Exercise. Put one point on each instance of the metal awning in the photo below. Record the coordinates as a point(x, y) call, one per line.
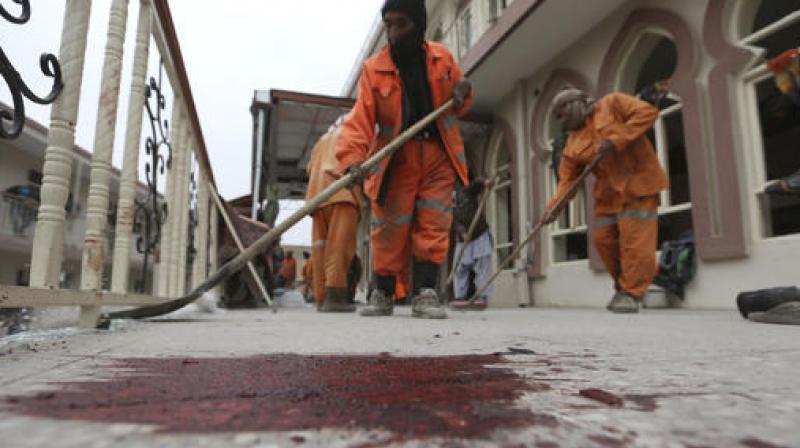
point(287, 125)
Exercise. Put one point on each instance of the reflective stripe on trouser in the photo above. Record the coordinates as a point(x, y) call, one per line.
point(334, 244)
point(416, 215)
point(627, 244)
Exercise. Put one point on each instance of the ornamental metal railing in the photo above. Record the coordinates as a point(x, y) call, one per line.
point(173, 215)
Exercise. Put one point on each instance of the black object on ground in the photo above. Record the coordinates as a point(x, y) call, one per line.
point(765, 299)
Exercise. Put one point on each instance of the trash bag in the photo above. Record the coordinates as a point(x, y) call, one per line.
point(765, 299)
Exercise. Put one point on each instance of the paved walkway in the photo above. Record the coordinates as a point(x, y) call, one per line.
point(527, 377)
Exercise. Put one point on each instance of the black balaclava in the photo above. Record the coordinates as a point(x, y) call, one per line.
point(408, 54)
point(407, 50)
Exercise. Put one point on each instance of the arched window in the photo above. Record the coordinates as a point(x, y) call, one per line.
point(501, 201)
point(773, 116)
point(568, 233)
point(645, 72)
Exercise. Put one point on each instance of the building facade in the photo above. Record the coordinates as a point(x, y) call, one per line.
point(724, 132)
point(21, 163)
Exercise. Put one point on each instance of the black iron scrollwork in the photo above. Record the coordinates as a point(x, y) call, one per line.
point(191, 250)
point(19, 90)
point(151, 213)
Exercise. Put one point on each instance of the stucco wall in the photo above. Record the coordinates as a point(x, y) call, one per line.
point(770, 262)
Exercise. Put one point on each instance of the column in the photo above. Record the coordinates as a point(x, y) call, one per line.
point(200, 268)
point(183, 230)
point(213, 250)
point(93, 258)
point(165, 249)
point(48, 240)
point(178, 210)
point(130, 165)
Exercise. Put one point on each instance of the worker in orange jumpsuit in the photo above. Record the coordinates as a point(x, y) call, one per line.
point(629, 179)
point(308, 277)
point(334, 228)
point(410, 192)
point(288, 270)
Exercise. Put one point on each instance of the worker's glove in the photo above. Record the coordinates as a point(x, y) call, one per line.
point(357, 174)
point(461, 92)
point(549, 216)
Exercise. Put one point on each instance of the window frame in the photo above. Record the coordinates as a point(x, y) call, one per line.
point(464, 10)
point(754, 151)
point(661, 144)
point(501, 188)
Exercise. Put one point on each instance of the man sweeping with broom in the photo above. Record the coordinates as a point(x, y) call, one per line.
point(410, 193)
point(629, 179)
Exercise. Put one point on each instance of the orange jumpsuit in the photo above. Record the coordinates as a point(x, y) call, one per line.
point(289, 271)
point(335, 223)
point(308, 276)
point(629, 179)
point(415, 216)
point(403, 284)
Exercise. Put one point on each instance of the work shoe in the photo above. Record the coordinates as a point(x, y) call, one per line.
point(379, 305)
point(426, 305)
point(622, 302)
point(336, 301)
point(460, 305)
point(479, 304)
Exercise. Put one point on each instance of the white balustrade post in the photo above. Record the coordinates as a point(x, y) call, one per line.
point(165, 246)
point(178, 209)
point(93, 259)
point(130, 165)
point(184, 217)
point(48, 241)
point(213, 250)
point(200, 267)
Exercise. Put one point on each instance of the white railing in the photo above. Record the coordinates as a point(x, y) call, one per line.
point(44, 226)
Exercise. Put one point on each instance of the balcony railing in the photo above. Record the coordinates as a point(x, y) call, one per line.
point(175, 147)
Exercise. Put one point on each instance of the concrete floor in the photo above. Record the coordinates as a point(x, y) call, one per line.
point(686, 378)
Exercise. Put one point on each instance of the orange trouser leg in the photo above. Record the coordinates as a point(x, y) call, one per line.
point(334, 244)
point(415, 215)
point(403, 284)
point(627, 244)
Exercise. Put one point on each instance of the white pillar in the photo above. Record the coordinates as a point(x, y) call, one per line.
point(93, 258)
point(200, 268)
point(178, 210)
point(130, 165)
point(183, 234)
point(165, 249)
point(213, 250)
point(48, 240)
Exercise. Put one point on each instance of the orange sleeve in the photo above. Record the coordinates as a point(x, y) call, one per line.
point(568, 171)
point(358, 130)
point(637, 118)
point(458, 75)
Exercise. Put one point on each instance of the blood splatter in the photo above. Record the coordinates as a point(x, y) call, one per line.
point(603, 397)
point(413, 398)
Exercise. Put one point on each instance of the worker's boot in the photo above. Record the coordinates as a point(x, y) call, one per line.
point(426, 303)
point(622, 302)
point(380, 299)
point(336, 301)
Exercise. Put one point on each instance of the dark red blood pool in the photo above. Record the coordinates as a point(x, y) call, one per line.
point(458, 397)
